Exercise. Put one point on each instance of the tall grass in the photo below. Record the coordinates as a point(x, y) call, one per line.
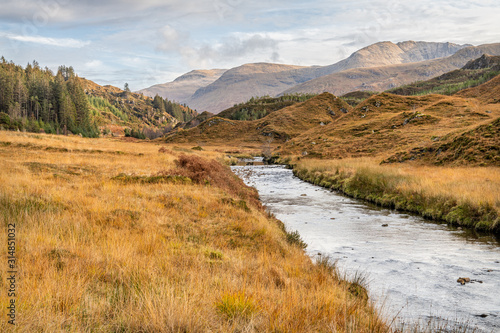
point(466, 196)
point(105, 254)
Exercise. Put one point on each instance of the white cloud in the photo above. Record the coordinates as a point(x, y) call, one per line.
point(59, 42)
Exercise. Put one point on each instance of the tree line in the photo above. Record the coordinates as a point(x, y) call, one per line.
point(36, 99)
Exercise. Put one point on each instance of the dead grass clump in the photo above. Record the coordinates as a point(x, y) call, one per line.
point(211, 172)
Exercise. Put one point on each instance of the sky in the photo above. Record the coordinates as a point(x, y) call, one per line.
point(146, 42)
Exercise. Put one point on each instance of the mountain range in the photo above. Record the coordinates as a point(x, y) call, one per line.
point(377, 67)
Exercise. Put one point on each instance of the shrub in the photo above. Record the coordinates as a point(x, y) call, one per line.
point(294, 238)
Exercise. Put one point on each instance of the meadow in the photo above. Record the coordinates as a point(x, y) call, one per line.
point(116, 235)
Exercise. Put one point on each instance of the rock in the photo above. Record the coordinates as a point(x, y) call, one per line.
point(463, 281)
point(385, 225)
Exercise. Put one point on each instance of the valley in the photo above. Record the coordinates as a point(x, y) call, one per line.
point(124, 202)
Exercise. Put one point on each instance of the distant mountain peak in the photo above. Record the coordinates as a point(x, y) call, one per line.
point(200, 74)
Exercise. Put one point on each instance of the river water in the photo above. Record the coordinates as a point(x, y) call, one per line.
point(411, 265)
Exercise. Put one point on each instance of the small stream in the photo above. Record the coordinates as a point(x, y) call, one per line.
point(412, 265)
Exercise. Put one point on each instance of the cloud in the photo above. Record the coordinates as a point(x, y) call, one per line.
point(132, 38)
point(171, 39)
point(232, 48)
point(59, 42)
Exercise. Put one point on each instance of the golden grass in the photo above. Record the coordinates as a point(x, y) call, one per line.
point(106, 255)
point(471, 186)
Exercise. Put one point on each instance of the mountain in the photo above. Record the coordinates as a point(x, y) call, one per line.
point(251, 80)
point(386, 77)
point(184, 86)
point(241, 83)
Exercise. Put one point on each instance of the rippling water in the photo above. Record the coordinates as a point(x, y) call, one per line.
point(412, 265)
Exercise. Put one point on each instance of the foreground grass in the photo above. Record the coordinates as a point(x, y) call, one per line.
point(126, 237)
point(462, 196)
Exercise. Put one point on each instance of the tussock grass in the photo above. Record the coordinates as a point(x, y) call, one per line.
point(101, 254)
point(467, 196)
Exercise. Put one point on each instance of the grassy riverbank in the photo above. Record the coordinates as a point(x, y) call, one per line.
point(462, 196)
point(126, 236)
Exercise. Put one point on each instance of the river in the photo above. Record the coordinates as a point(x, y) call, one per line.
point(411, 265)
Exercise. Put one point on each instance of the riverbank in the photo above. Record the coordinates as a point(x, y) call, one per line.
point(463, 197)
point(116, 235)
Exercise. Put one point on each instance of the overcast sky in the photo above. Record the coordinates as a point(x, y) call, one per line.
point(144, 42)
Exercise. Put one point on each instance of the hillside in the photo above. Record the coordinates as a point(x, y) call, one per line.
point(488, 92)
point(36, 100)
point(386, 77)
point(195, 121)
point(116, 109)
point(241, 83)
point(184, 86)
point(386, 123)
point(478, 146)
point(474, 73)
point(256, 108)
point(278, 126)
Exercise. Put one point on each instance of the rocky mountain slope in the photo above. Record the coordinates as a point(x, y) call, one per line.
point(386, 77)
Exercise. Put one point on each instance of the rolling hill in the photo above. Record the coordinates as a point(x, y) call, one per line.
point(278, 126)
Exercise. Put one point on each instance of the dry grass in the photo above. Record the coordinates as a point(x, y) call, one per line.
point(432, 190)
point(105, 254)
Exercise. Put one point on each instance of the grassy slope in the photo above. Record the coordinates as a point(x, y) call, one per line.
point(278, 126)
point(112, 236)
point(386, 123)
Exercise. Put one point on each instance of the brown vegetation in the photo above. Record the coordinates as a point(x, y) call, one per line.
point(153, 240)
